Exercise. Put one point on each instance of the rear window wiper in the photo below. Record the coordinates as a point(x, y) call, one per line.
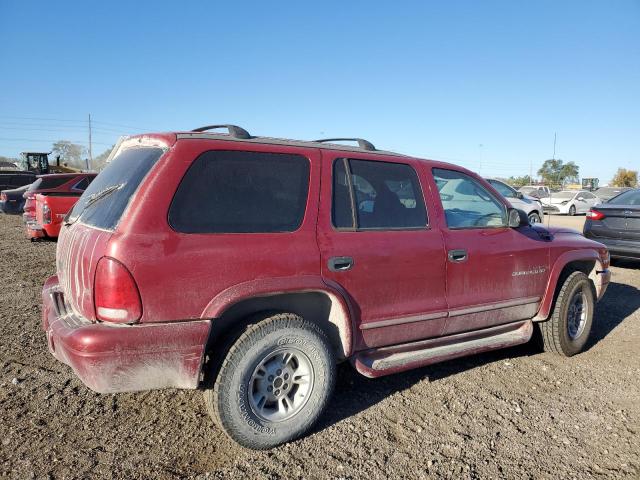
point(93, 198)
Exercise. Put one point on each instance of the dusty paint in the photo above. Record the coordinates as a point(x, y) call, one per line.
point(385, 361)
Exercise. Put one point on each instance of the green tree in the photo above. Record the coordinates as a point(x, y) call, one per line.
point(625, 178)
point(556, 173)
point(70, 153)
point(99, 162)
point(517, 182)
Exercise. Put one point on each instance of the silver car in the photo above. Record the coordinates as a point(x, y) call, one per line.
point(530, 205)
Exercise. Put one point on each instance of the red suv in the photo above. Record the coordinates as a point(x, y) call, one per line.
point(248, 267)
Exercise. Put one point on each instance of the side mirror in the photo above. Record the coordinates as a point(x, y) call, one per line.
point(517, 218)
point(519, 195)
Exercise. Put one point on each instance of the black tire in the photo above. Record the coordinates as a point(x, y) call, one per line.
point(534, 217)
point(231, 401)
point(572, 210)
point(556, 332)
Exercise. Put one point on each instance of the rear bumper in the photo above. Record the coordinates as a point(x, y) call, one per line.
point(11, 207)
point(123, 358)
point(34, 230)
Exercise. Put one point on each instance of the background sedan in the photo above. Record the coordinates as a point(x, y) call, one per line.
point(617, 224)
point(569, 202)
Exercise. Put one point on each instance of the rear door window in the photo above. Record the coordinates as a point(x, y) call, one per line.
point(375, 195)
point(107, 196)
point(241, 192)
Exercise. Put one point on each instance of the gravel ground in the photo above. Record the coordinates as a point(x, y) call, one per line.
point(516, 413)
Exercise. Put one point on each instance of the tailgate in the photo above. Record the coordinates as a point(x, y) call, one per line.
point(79, 249)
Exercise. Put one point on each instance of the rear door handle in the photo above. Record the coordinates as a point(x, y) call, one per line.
point(340, 264)
point(457, 256)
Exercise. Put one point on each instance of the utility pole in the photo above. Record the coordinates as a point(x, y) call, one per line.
point(90, 160)
point(480, 145)
point(554, 145)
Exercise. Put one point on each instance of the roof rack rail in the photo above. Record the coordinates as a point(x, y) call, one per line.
point(362, 143)
point(234, 130)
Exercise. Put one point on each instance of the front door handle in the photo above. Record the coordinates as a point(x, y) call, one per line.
point(457, 256)
point(340, 264)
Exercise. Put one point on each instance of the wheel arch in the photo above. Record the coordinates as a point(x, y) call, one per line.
point(308, 297)
point(586, 261)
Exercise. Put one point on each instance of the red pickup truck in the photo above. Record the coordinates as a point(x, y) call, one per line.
point(48, 200)
point(249, 266)
point(50, 211)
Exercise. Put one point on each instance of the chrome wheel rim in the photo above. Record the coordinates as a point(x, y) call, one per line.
point(280, 385)
point(534, 219)
point(577, 315)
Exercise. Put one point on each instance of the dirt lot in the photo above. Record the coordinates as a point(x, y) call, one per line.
point(517, 413)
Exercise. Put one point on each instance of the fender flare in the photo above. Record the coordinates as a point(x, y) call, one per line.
point(341, 314)
point(561, 262)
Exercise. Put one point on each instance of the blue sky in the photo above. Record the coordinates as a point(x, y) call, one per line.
point(432, 79)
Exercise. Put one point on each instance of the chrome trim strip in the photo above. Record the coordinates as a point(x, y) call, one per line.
point(452, 313)
point(403, 320)
point(493, 306)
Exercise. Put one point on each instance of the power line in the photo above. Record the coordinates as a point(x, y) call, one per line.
point(43, 140)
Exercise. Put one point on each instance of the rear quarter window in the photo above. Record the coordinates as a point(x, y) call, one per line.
point(241, 192)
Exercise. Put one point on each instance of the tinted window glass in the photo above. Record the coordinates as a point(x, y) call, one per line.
point(386, 195)
point(503, 189)
point(82, 184)
point(631, 197)
point(342, 211)
point(241, 192)
point(105, 199)
point(466, 203)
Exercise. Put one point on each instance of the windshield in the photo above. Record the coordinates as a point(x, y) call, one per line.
point(564, 195)
point(630, 197)
point(504, 189)
point(106, 198)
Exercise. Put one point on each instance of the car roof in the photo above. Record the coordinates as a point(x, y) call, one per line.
point(150, 139)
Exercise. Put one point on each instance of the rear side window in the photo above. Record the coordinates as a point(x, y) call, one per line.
point(106, 198)
point(372, 195)
point(83, 184)
point(241, 192)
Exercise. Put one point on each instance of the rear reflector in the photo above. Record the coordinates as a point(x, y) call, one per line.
point(116, 295)
point(595, 214)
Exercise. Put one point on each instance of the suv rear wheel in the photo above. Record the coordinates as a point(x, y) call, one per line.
point(568, 329)
point(274, 383)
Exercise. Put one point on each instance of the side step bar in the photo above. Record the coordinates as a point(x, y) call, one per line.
point(378, 362)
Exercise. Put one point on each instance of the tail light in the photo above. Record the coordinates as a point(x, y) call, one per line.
point(29, 195)
point(3, 197)
point(595, 214)
point(116, 295)
point(46, 214)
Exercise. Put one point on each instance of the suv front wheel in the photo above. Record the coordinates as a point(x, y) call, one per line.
point(567, 330)
point(274, 383)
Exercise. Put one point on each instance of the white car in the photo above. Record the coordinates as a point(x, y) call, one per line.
point(570, 202)
point(536, 191)
point(530, 205)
